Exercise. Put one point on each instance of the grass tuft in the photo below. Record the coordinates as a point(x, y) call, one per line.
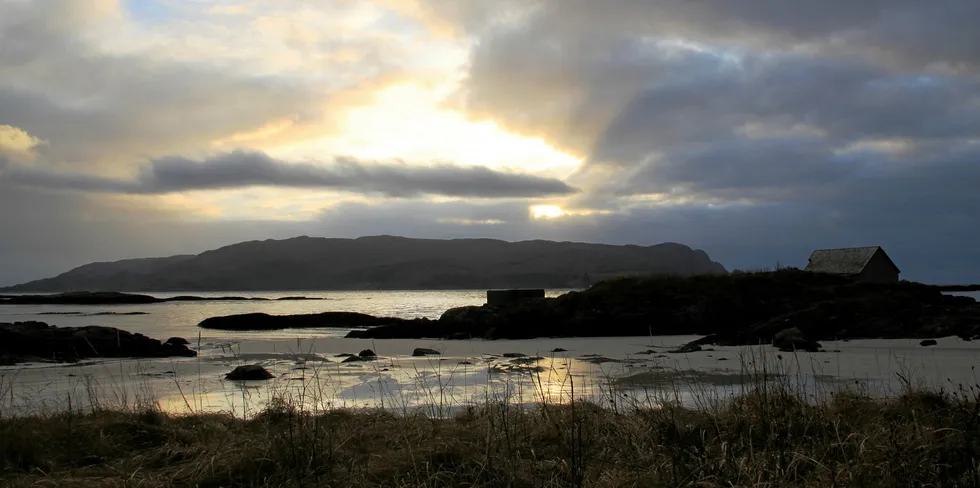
point(769, 436)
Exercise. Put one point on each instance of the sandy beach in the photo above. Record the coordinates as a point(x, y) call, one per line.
point(635, 370)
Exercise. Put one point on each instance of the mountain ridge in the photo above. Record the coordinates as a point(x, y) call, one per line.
point(380, 262)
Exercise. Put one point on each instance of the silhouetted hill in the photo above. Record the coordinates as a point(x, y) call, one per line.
point(382, 262)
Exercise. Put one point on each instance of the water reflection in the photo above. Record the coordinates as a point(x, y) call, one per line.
point(612, 371)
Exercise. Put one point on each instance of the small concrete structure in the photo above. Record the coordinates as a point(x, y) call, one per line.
point(863, 263)
point(499, 298)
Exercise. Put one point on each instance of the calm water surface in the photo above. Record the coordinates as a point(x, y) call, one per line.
point(162, 320)
point(466, 372)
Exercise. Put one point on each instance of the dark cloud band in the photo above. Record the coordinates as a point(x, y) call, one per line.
point(240, 169)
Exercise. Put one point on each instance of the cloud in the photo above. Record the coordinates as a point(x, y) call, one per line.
point(754, 129)
point(909, 34)
point(239, 169)
point(104, 88)
point(17, 144)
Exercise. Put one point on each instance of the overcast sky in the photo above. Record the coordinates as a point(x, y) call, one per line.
point(757, 130)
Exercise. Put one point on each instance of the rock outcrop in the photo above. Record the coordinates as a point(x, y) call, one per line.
point(735, 309)
point(29, 341)
point(264, 321)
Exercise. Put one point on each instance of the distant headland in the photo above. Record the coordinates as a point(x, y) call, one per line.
point(381, 263)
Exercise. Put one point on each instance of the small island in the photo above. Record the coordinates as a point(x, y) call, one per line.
point(796, 307)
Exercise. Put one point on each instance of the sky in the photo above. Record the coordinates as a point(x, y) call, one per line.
point(756, 130)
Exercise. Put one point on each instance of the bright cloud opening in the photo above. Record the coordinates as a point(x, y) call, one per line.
point(546, 212)
point(407, 122)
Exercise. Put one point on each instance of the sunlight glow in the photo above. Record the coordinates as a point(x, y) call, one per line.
point(408, 122)
point(546, 212)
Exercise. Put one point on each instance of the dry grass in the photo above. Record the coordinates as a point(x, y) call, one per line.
point(769, 437)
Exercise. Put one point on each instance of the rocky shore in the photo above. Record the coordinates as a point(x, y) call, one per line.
point(38, 341)
point(797, 307)
point(789, 308)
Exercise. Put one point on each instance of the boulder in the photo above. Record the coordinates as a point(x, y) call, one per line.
point(367, 353)
point(792, 339)
point(249, 372)
point(514, 355)
point(421, 351)
point(558, 349)
point(177, 341)
point(353, 359)
point(928, 342)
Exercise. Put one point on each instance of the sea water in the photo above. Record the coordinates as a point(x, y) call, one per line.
point(617, 370)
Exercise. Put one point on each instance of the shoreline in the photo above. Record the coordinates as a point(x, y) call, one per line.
point(310, 435)
point(608, 334)
point(466, 371)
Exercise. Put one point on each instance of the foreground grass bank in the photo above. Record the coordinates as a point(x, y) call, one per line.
point(769, 437)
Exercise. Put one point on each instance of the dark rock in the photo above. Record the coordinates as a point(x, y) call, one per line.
point(177, 341)
point(264, 321)
point(389, 328)
point(928, 342)
point(514, 355)
point(792, 339)
point(367, 353)
point(100, 314)
point(459, 336)
point(728, 310)
point(353, 359)
point(595, 359)
point(686, 348)
point(250, 372)
point(21, 341)
point(558, 349)
point(344, 355)
point(526, 359)
point(421, 351)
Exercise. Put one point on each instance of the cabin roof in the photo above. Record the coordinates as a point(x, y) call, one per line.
point(848, 260)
